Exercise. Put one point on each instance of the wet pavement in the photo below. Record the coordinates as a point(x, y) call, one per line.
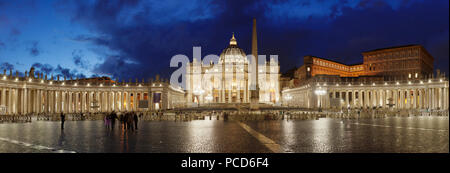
point(395, 134)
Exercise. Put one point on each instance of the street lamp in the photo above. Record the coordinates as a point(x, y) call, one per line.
point(198, 92)
point(209, 97)
point(320, 92)
point(288, 98)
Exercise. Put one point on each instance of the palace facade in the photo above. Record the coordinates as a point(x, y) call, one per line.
point(397, 77)
point(402, 62)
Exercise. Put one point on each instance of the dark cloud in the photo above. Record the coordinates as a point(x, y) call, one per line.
point(9, 67)
point(68, 72)
point(122, 69)
point(143, 39)
point(78, 60)
point(15, 32)
point(43, 68)
point(34, 50)
point(59, 70)
point(6, 66)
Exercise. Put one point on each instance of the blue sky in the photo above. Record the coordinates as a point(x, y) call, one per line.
point(136, 39)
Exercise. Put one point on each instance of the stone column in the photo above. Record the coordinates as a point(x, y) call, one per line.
point(55, 101)
point(77, 100)
point(360, 98)
point(50, 101)
point(14, 97)
point(395, 96)
point(60, 101)
point(70, 109)
point(81, 100)
point(135, 101)
point(432, 98)
point(426, 98)
point(415, 99)
point(35, 101)
point(245, 92)
point(22, 100)
point(46, 101)
point(404, 99)
point(128, 108)
point(120, 98)
point(441, 97)
point(113, 101)
point(123, 101)
point(430, 101)
point(420, 98)
point(408, 99)
point(375, 98)
point(2, 101)
point(353, 104)
point(38, 101)
point(108, 101)
point(446, 97)
point(10, 107)
point(366, 98)
point(238, 95)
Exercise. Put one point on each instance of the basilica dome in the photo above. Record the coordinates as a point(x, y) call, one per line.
point(233, 53)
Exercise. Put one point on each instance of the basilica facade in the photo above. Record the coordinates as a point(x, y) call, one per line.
point(230, 80)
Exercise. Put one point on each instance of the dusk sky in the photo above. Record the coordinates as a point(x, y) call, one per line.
point(136, 39)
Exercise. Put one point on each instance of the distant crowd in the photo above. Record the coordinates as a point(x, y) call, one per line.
point(128, 120)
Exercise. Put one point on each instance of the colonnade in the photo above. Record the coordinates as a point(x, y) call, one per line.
point(432, 94)
point(47, 100)
point(401, 98)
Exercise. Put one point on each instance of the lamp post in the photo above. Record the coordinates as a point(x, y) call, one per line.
point(288, 99)
point(198, 92)
point(209, 97)
point(320, 92)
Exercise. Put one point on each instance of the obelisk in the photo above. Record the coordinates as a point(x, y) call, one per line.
point(254, 98)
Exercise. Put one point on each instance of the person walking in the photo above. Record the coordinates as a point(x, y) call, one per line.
point(128, 120)
point(63, 118)
point(113, 119)
point(121, 119)
point(106, 120)
point(136, 119)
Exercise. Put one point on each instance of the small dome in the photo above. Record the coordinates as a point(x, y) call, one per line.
point(233, 53)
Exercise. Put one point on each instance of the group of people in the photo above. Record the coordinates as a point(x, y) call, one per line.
point(128, 120)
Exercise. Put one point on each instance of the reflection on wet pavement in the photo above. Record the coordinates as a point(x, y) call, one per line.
point(396, 134)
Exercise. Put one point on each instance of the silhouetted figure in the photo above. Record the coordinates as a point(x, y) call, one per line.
point(113, 119)
point(121, 119)
point(129, 121)
point(136, 119)
point(63, 118)
point(107, 121)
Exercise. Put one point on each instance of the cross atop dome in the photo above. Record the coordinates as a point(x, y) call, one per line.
point(233, 41)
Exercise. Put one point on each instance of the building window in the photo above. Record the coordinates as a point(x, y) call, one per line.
point(417, 75)
point(409, 76)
